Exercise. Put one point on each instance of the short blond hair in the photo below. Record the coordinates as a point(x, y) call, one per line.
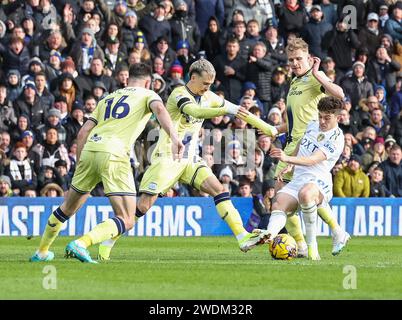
point(201, 66)
point(296, 44)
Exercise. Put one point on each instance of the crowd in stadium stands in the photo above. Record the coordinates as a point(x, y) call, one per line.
point(58, 58)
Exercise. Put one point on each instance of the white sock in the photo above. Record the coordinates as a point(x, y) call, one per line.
point(241, 235)
point(80, 243)
point(109, 243)
point(41, 254)
point(310, 221)
point(276, 222)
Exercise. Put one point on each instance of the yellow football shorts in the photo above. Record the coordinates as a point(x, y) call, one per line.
point(114, 172)
point(289, 149)
point(164, 173)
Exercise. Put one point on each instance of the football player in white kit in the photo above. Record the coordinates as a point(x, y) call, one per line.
point(311, 185)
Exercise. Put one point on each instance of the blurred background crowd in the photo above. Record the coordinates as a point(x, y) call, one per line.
point(58, 58)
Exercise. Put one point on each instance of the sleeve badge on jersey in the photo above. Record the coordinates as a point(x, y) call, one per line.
point(152, 186)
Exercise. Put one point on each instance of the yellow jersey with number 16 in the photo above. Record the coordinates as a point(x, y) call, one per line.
point(120, 118)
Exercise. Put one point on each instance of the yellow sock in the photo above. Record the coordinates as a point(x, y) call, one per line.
point(230, 214)
point(53, 226)
point(293, 226)
point(106, 247)
point(326, 215)
point(258, 123)
point(108, 229)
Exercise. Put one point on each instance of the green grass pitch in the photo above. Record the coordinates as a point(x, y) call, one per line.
point(204, 268)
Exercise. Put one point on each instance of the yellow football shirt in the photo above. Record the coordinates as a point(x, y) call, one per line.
point(304, 94)
point(120, 117)
point(187, 126)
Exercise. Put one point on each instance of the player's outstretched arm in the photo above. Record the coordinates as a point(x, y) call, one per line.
point(330, 87)
point(315, 158)
point(166, 122)
point(186, 106)
point(83, 136)
point(256, 122)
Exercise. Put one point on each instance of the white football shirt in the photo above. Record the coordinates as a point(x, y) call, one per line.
point(330, 142)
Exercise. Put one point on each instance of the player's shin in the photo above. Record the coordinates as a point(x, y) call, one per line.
point(53, 226)
point(108, 229)
point(293, 226)
point(276, 223)
point(229, 213)
point(310, 221)
point(106, 246)
point(325, 213)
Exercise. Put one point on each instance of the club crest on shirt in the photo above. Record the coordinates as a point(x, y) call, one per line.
point(320, 137)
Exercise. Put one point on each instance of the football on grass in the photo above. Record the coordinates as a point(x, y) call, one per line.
point(283, 247)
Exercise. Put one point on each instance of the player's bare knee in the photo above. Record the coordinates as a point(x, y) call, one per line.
point(305, 195)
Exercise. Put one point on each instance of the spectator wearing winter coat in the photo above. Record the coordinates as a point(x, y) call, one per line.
point(155, 25)
point(129, 30)
point(28, 138)
point(206, 9)
point(396, 128)
point(351, 181)
point(54, 41)
point(85, 50)
point(21, 126)
point(230, 70)
point(14, 86)
point(382, 70)
point(252, 10)
point(95, 73)
point(51, 150)
point(370, 35)
point(315, 30)
point(30, 103)
point(381, 93)
point(184, 28)
point(53, 120)
point(393, 171)
point(117, 14)
point(20, 170)
point(393, 25)
point(357, 86)
point(162, 49)
point(340, 44)
point(292, 18)
point(259, 71)
point(42, 90)
point(7, 115)
point(212, 42)
point(377, 186)
point(74, 122)
point(15, 56)
point(275, 45)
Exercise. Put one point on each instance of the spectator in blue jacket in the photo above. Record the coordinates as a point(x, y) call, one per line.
point(315, 30)
point(393, 25)
point(393, 171)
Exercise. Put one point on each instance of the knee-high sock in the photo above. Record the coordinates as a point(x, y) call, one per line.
point(277, 221)
point(325, 213)
point(229, 213)
point(293, 225)
point(106, 246)
point(310, 221)
point(108, 229)
point(53, 226)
